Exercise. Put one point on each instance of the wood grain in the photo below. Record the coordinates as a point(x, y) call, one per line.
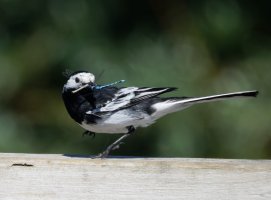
point(33, 176)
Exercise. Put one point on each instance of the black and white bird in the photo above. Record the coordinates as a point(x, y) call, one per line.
point(111, 109)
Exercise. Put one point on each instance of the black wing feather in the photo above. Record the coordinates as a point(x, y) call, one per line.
point(127, 97)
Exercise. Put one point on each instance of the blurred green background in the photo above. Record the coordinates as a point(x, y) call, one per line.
point(202, 47)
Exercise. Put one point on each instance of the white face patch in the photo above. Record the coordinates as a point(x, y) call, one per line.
point(78, 80)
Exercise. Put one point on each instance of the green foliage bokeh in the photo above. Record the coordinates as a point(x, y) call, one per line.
point(202, 47)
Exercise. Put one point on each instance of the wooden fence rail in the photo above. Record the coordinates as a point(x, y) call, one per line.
point(34, 176)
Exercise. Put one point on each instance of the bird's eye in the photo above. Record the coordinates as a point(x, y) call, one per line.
point(77, 80)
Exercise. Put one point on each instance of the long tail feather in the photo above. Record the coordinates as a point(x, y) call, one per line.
point(220, 97)
point(174, 104)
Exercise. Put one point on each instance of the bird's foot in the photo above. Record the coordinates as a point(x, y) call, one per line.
point(108, 150)
point(88, 133)
point(101, 155)
point(115, 145)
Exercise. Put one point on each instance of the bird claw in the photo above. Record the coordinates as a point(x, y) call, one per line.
point(101, 155)
point(107, 151)
point(117, 146)
point(113, 146)
point(88, 133)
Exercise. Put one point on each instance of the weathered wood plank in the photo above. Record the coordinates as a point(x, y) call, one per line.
point(32, 176)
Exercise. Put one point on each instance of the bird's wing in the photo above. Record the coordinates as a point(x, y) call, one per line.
point(126, 97)
point(104, 95)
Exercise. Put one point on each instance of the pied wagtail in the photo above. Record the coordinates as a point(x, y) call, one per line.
point(111, 109)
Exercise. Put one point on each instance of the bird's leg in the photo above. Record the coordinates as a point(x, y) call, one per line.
point(112, 147)
point(89, 134)
point(115, 145)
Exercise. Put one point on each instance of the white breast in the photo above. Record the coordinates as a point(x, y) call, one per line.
point(104, 128)
point(118, 122)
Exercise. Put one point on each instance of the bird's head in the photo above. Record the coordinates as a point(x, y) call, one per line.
point(79, 80)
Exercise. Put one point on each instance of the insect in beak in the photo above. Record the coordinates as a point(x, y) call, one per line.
point(79, 89)
point(94, 86)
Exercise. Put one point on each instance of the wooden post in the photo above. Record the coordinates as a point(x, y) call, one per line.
point(33, 176)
